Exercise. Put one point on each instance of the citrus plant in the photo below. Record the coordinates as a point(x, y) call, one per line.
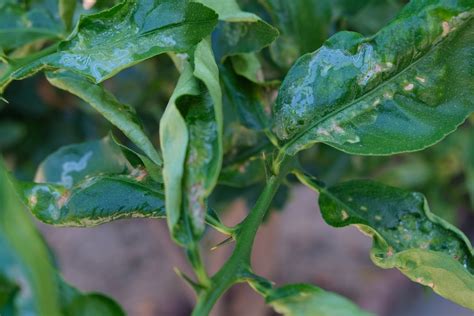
point(230, 121)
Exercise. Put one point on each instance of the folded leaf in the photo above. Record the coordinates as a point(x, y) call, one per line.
point(93, 183)
point(238, 31)
point(121, 115)
point(407, 236)
point(305, 300)
point(114, 39)
point(25, 269)
point(191, 142)
point(403, 89)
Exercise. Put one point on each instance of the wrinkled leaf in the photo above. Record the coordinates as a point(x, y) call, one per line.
point(305, 300)
point(238, 31)
point(114, 39)
point(407, 236)
point(403, 89)
point(93, 183)
point(121, 115)
point(25, 270)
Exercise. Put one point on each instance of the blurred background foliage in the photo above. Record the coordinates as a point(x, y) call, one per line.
point(39, 119)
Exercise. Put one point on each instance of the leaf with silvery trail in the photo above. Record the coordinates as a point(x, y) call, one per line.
point(94, 183)
point(191, 142)
point(406, 235)
point(107, 42)
point(403, 89)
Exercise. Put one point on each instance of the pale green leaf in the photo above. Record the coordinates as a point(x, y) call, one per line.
point(26, 274)
point(308, 300)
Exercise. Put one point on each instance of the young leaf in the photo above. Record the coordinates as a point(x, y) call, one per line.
point(407, 236)
point(403, 89)
point(238, 31)
point(304, 300)
point(93, 183)
point(114, 39)
point(121, 115)
point(25, 269)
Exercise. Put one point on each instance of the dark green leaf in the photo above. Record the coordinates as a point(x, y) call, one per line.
point(305, 300)
point(93, 183)
point(403, 89)
point(238, 31)
point(243, 96)
point(114, 39)
point(20, 25)
point(407, 236)
point(24, 259)
point(120, 115)
point(304, 25)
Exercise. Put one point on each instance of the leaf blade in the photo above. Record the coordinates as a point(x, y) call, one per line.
point(364, 95)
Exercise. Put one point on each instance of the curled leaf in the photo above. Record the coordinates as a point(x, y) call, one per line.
point(407, 236)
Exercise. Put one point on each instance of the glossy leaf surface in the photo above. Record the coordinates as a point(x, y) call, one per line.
point(238, 31)
point(403, 89)
point(121, 115)
point(114, 39)
point(25, 270)
point(93, 183)
point(305, 300)
point(407, 236)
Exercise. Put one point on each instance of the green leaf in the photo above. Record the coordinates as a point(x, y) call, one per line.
point(243, 97)
point(24, 24)
point(104, 43)
point(304, 26)
point(305, 300)
point(66, 11)
point(401, 90)
point(191, 142)
point(25, 270)
point(407, 236)
point(93, 183)
point(121, 115)
point(94, 304)
point(238, 31)
point(75, 303)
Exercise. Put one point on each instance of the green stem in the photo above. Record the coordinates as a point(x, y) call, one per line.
point(239, 263)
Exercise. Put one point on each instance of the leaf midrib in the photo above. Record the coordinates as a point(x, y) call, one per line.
point(371, 91)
